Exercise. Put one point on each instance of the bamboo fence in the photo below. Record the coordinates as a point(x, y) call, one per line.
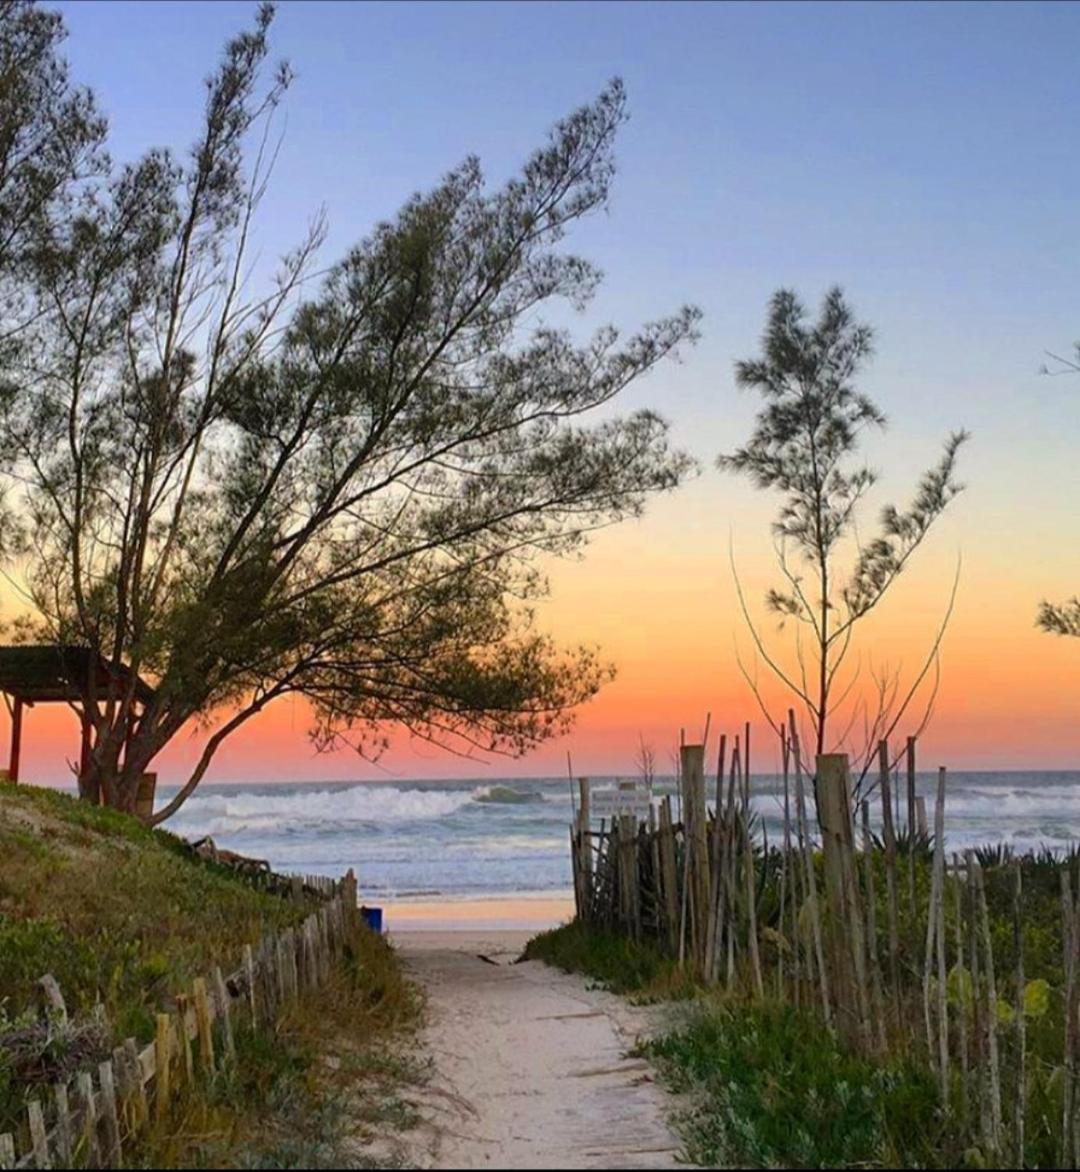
point(90, 1117)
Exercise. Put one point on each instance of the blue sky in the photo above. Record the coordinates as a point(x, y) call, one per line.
point(924, 156)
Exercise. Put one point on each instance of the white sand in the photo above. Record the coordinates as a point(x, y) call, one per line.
point(531, 1066)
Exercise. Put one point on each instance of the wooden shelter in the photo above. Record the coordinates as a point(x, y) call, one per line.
point(58, 674)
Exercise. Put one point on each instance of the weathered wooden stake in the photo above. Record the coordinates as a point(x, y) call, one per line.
point(224, 1002)
point(249, 969)
point(162, 1065)
point(203, 1019)
point(135, 1087)
point(811, 879)
point(39, 1139)
point(88, 1143)
point(889, 836)
point(111, 1152)
point(65, 1140)
point(845, 936)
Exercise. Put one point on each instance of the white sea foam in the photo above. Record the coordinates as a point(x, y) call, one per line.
point(308, 808)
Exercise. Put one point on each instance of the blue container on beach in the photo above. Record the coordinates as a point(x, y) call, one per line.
point(372, 916)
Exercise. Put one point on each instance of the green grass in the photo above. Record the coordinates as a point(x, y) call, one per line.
point(122, 917)
point(769, 1087)
point(622, 965)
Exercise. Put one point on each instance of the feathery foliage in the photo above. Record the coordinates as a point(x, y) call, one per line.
point(337, 487)
point(805, 446)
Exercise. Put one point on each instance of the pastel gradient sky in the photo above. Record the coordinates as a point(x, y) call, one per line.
point(923, 156)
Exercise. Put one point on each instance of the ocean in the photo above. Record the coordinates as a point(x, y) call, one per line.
point(460, 840)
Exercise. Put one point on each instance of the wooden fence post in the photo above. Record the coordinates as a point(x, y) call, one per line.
point(38, 1136)
point(136, 1091)
point(249, 970)
point(844, 921)
point(111, 1152)
point(84, 1084)
point(224, 1001)
point(670, 875)
point(695, 823)
point(162, 1065)
point(65, 1147)
point(202, 1017)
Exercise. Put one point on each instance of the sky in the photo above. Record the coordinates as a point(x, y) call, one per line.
point(922, 156)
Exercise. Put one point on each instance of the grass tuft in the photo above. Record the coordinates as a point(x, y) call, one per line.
point(617, 963)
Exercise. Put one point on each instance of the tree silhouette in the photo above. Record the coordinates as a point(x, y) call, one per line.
point(335, 487)
point(804, 445)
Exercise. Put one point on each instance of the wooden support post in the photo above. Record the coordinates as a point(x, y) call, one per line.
point(136, 1090)
point(224, 1001)
point(182, 1021)
point(162, 1065)
point(202, 1018)
point(670, 872)
point(88, 1141)
point(695, 820)
point(52, 1000)
point(16, 739)
point(584, 850)
point(912, 825)
point(65, 1144)
point(889, 834)
point(844, 921)
point(249, 969)
point(39, 1139)
point(350, 897)
point(111, 1152)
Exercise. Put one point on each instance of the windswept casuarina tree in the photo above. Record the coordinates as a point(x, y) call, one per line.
point(336, 486)
point(805, 446)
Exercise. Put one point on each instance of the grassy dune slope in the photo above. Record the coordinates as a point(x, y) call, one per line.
point(125, 918)
point(117, 913)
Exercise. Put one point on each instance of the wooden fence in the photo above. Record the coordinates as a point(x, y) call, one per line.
point(881, 935)
point(88, 1119)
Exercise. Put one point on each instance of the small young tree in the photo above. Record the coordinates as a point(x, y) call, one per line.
point(334, 488)
point(804, 445)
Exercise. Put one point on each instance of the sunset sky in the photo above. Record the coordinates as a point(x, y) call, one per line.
point(925, 158)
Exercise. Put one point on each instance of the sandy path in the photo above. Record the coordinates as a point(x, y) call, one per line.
point(531, 1067)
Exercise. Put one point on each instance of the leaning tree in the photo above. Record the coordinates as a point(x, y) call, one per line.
point(805, 446)
point(337, 486)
